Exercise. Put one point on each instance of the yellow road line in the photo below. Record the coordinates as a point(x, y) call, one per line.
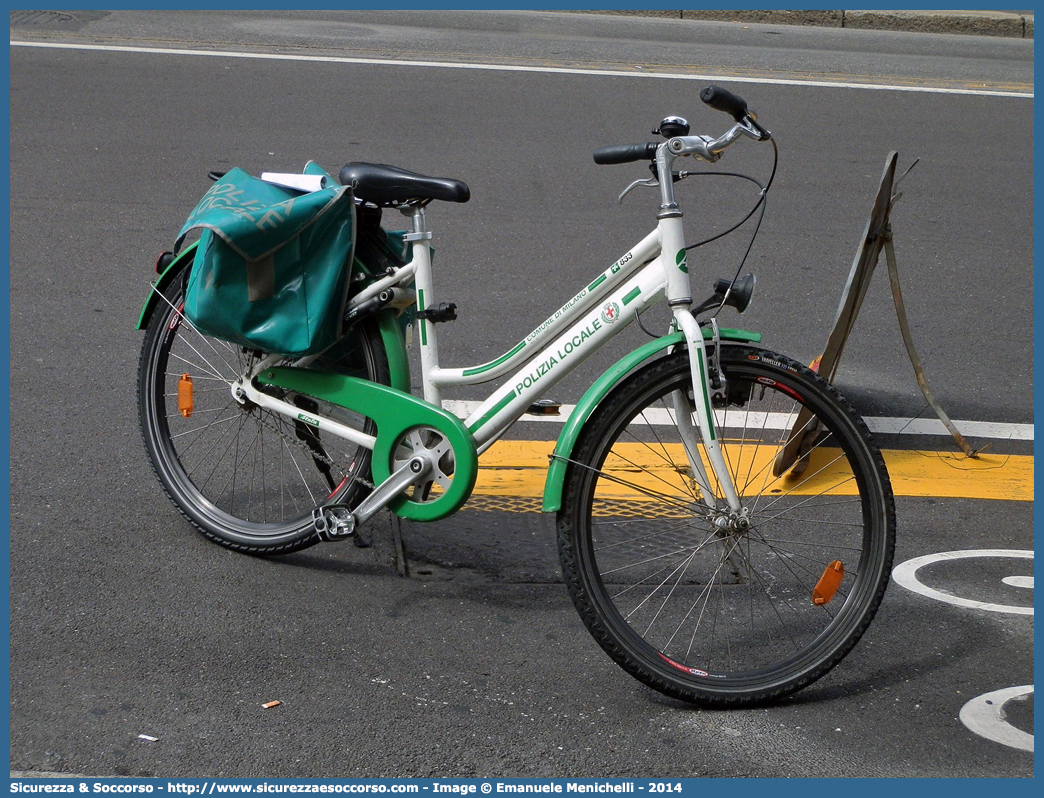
point(517, 469)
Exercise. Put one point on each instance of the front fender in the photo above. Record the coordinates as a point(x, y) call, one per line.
point(599, 390)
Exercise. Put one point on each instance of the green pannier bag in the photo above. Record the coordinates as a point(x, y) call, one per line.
point(273, 264)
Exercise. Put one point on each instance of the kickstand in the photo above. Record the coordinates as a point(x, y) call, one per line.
point(401, 564)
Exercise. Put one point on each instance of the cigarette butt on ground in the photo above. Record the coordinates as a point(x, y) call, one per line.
point(271, 704)
point(147, 737)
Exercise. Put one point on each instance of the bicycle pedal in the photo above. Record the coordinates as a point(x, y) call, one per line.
point(333, 523)
point(545, 407)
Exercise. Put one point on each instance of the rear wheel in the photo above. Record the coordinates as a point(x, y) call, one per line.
point(712, 606)
point(246, 478)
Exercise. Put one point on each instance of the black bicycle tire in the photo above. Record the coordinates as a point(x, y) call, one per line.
point(589, 595)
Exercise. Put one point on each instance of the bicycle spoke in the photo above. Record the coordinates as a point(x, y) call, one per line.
point(174, 375)
point(282, 484)
point(639, 583)
point(665, 482)
point(705, 595)
point(290, 456)
point(205, 339)
point(782, 496)
point(197, 412)
point(210, 373)
point(819, 562)
point(195, 391)
point(264, 491)
point(205, 427)
point(764, 592)
point(303, 480)
point(235, 471)
point(804, 543)
point(206, 454)
point(724, 617)
point(682, 564)
point(808, 520)
point(673, 465)
point(631, 541)
point(808, 590)
point(676, 501)
point(786, 602)
point(767, 468)
point(666, 455)
point(651, 559)
point(790, 557)
point(216, 464)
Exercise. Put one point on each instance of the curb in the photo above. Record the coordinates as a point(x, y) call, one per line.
point(971, 23)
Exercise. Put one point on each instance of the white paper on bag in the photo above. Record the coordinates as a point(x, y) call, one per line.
point(296, 181)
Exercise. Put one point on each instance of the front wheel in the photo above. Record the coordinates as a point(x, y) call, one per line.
point(708, 605)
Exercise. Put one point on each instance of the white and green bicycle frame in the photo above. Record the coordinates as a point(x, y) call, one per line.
point(653, 270)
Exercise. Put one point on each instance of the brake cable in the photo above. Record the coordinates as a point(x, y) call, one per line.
point(761, 203)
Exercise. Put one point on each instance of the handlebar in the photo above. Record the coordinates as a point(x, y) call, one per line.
point(735, 106)
point(725, 101)
point(702, 146)
point(625, 153)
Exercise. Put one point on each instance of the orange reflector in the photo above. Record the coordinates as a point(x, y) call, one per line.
point(828, 583)
point(185, 395)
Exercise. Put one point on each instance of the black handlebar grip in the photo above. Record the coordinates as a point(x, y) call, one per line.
point(625, 153)
point(721, 100)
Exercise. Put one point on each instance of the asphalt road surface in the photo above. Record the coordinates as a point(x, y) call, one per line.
point(125, 622)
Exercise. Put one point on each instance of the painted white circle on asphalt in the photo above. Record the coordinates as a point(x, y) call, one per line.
point(984, 715)
point(906, 575)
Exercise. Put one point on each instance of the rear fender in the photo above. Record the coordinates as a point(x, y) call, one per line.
point(395, 347)
point(174, 268)
point(599, 390)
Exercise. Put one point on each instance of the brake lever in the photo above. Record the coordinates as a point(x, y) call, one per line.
point(753, 128)
point(651, 182)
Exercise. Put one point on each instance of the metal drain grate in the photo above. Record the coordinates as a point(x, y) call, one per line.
point(603, 508)
point(40, 18)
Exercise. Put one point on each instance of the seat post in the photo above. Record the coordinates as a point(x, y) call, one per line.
point(423, 330)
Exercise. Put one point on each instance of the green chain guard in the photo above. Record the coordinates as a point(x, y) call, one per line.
point(395, 413)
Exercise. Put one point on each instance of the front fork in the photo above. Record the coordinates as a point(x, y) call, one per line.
point(690, 435)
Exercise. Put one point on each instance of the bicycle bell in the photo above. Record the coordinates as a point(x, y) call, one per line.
point(671, 126)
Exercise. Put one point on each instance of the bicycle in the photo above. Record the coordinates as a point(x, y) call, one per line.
point(701, 562)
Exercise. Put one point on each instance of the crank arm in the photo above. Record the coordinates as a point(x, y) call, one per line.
point(416, 468)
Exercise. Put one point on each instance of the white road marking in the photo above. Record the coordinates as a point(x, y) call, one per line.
point(1019, 581)
point(985, 716)
point(723, 76)
point(991, 430)
point(906, 575)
